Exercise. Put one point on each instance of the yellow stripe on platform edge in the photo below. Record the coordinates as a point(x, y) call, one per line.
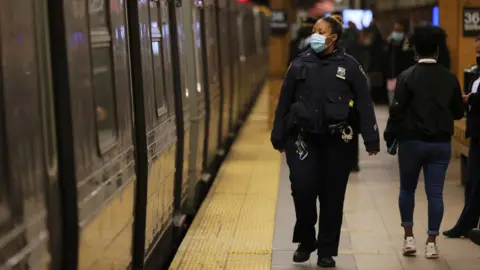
point(235, 225)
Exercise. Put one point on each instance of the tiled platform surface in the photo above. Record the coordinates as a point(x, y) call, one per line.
point(235, 224)
point(372, 236)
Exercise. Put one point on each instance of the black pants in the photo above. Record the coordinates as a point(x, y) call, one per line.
point(323, 175)
point(471, 211)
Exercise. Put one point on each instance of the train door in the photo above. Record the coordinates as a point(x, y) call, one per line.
point(193, 54)
point(185, 96)
point(224, 29)
point(157, 73)
point(235, 59)
point(212, 83)
point(92, 59)
point(249, 39)
point(30, 206)
point(243, 71)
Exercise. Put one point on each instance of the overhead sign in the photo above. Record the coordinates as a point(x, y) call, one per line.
point(278, 22)
point(471, 21)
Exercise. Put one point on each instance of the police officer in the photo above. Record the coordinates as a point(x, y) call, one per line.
point(470, 215)
point(323, 101)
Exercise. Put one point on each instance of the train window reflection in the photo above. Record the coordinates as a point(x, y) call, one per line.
point(102, 72)
point(104, 96)
point(97, 11)
point(165, 48)
point(158, 69)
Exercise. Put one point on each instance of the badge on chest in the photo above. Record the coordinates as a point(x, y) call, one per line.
point(341, 73)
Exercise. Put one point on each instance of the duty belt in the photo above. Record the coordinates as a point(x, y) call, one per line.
point(343, 129)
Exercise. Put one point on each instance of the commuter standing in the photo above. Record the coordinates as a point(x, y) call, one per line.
point(470, 216)
point(427, 100)
point(400, 55)
point(374, 45)
point(352, 41)
point(323, 90)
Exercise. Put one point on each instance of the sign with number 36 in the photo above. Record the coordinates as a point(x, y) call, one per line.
point(471, 21)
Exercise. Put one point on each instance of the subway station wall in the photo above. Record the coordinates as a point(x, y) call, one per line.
point(462, 49)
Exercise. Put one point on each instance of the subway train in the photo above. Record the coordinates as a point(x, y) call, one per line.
point(115, 116)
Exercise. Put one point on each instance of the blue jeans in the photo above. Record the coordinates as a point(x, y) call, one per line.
point(434, 159)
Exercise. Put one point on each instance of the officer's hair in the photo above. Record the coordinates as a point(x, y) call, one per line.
point(426, 39)
point(336, 26)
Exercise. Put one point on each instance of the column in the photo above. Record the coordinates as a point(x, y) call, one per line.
point(278, 56)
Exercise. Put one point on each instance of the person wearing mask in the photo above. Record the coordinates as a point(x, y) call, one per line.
point(427, 100)
point(470, 215)
point(323, 101)
point(352, 41)
point(399, 55)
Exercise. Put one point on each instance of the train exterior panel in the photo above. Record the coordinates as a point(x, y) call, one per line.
point(78, 194)
point(212, 83)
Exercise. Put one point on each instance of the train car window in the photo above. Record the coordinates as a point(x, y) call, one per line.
point(157, 51)
point(167, 60)
point(102, 71)
point(98, 13)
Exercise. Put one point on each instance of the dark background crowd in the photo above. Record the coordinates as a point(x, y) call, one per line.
point(383, 58)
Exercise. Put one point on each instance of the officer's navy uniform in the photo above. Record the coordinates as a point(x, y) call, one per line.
point(320, 93)
point(471, 212)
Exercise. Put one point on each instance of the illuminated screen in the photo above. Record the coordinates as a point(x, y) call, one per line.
point(436, 16)
point(361, 18)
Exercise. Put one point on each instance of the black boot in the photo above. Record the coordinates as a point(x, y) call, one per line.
point(326, 262)
point(302, 254)
point(474, 235)
point(454, 233)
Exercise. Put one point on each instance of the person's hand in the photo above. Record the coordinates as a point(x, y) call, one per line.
point(372, 152)
point(466, 97)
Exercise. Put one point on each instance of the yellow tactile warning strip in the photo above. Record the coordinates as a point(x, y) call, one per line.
point(234, 227)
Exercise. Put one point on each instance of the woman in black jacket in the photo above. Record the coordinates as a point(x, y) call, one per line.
point(427, 100)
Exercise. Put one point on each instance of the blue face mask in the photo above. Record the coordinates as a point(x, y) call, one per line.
point(397, 36)
point(318, 42)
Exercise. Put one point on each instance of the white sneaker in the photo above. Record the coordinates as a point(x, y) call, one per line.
point(431, 251)
point(409, 247)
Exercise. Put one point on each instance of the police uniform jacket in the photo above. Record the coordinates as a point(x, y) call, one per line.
point(319, 91)
point(473, 116)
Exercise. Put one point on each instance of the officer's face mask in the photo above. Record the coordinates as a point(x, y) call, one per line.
point(478, 60)
point(398, 36)
point(318, 42)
